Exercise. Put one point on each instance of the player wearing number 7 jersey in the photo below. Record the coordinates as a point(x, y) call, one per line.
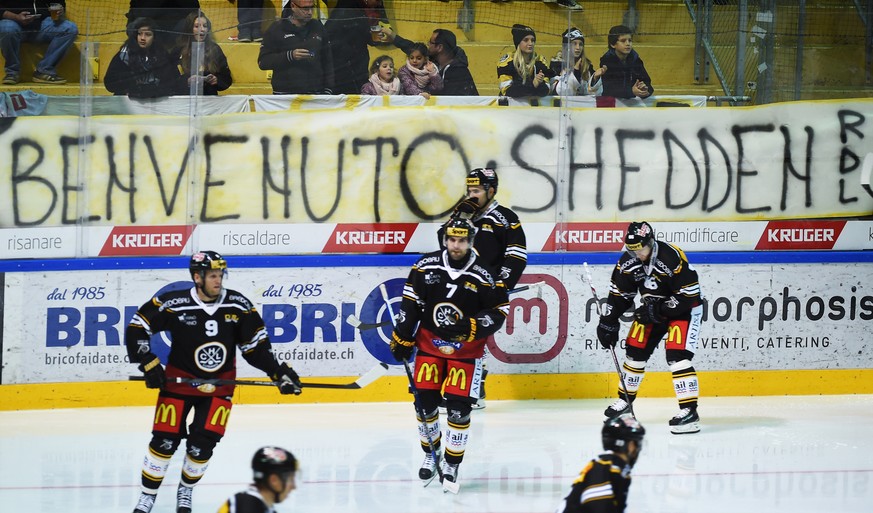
point(451, 304)
point(207, 323)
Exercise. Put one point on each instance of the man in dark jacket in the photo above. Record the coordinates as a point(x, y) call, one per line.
point(350, 36)
point(450, 58)
point(31, 20)
point(295, 48)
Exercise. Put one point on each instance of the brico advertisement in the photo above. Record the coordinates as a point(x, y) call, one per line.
point(69, 326)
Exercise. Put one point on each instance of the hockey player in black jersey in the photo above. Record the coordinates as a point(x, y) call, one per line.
point(450, 305)
point(274, 472)
point(603, 484)
point(671, 307)
point(207, 324)
point(500, 239)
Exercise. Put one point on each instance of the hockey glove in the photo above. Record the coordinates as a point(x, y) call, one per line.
point(154, 372)
point(287, 380)
point(462, 330)
point(649, 313)
point(607, 333)
point(401, 349)
point(466, 208)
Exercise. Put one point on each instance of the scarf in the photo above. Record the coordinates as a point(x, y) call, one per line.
point(422, 76)
point(382, 88)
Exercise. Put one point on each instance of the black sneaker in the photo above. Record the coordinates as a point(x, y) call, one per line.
point(686, 421)
point(145, 503)
point(45, 78)
point(617, 409)
point(10, 79)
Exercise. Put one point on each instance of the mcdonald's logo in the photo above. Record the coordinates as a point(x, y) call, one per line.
point(674, 335)
point(638, 331)
point(430, 372)
point(164, 412)
point(456, 375)
point(219, 418)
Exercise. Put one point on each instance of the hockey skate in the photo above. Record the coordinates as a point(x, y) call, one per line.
point(183, 499)
point(479, 404)
point(617, 409)
point(428, 469)
point(450, 477)
point(686, 421)
point(146, 501)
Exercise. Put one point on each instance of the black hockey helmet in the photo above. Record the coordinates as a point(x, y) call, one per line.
point(203, 261)
point(459, 227)
point(484, 176)
point(272, 460)
point(639, 235)
point(619, 431)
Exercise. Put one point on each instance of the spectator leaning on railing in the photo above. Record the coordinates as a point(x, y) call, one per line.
point(37, 21)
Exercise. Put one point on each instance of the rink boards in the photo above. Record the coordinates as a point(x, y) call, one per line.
point(775, 323)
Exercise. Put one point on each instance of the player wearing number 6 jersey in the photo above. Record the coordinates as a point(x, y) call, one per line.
point(671, 307)
point(207, 323)
point(450, 305)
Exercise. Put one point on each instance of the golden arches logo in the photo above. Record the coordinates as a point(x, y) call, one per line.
point(164, 412)
point(430, 373)
point(219, 418)
point(637, 332)
point(456, 375)
point(674, 335)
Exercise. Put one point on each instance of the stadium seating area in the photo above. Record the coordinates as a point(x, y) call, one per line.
point(665, 39)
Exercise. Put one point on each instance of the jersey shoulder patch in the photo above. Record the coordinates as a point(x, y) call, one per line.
point(236, 298)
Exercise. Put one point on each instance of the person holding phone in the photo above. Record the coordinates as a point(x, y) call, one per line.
point(35, 21)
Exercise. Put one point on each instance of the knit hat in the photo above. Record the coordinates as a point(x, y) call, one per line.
point(519, 32)
point(572, 34)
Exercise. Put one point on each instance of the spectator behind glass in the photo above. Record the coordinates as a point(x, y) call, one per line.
point(31, 21)
point(419, 76)
point(451, 60)
point(249, 15)
point(168, 16)
point(581, 78)
point(295, 47)
point(523, 72)
point(214, 71)
point(141, 68)
point(383, 81)
point(348, 30)
point(626, 75)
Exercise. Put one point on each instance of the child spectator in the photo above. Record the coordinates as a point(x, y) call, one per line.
point(580, 78)
point(141, 68)
point(523, 72)
point(419, 76)
point(626, 75)
point(213, 71)
point(383, 80)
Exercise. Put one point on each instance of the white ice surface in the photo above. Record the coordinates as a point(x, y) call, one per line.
point(767, 454)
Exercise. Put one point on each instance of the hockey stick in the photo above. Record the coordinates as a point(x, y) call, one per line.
point(447, 485)
point(355, 322)
point(611, 348)
point(368, 377)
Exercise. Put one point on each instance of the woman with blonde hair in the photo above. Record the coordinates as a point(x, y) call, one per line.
point(580, 78)
point(523, 72)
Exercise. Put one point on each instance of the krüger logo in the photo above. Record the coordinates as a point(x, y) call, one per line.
point(800, 235)
point(586, 237)
point(368, 238)
point(146, 240)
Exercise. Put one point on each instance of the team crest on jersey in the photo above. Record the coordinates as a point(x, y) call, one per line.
point(471, 286)
point(231, 317)
point(210, 356)
point(431, 278)
point(445, 314)
point(486, 228)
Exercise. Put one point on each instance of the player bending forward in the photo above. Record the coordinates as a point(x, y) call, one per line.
point(274, 472)
point(603, 484)
point(450, 305)
point(207, 323)
point(672, 307)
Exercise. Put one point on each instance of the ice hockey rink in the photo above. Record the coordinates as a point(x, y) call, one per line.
point(770, 454)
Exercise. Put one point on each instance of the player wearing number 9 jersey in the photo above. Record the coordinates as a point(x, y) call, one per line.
point(207, 323)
